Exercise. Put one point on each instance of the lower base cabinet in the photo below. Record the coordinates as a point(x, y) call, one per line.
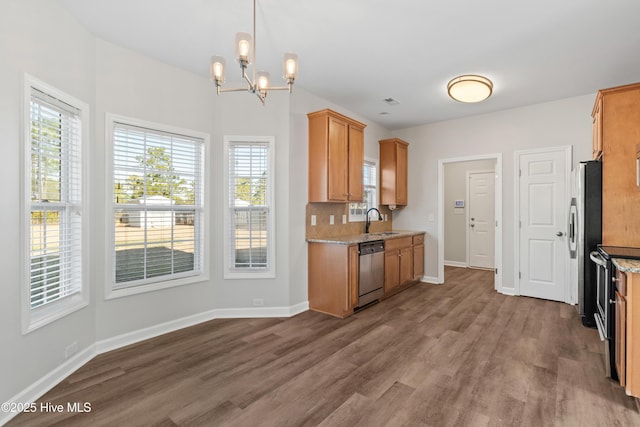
point(627, 319)
point(333, 278)
point(403, 262)
point(334, 270)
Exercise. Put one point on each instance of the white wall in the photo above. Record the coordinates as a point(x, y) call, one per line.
point(455, 220)
point(39, 38)
point(564, 122)
point(302, 103)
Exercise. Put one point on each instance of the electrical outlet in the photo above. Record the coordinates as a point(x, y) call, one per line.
point(432, 217)
point(313, 220)
point(71, 349)
point(386, 218)
point(344, 219)
point(258, 302)
point(332, 219)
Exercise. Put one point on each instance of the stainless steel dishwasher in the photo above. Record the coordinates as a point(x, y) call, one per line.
point(371, 276)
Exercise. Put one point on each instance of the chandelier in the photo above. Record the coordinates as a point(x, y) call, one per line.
point(246, 55)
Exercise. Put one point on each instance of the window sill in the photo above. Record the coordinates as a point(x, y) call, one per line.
point(266, 274)
point(42, 316)
point(111, 293)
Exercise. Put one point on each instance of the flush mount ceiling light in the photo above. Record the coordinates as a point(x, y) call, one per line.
point(245, 56)
point(470, 88)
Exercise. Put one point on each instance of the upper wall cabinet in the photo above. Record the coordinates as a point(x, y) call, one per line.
point(619, 110)
point(597, 129)
point(393, 172)
point(336, 157)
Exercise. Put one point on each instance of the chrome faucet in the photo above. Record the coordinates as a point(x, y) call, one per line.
point(368, 221)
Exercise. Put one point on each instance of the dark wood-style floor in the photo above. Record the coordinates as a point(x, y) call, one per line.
point(452, 355)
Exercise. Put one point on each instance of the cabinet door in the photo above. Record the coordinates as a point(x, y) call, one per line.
point(391, 270)
point(354, 264)
point(338, 149)
point(401, 174)
point(356, 163)
point(621, 337)
point(597, 130)
point(418, 262)
point(406, 265)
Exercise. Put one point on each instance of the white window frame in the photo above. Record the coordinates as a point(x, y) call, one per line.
point(231, 272)
point(114, 290)
point(357, 217)
point(37, 317)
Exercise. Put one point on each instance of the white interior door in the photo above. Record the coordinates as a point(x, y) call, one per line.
point(543, 206)
point(481, 219)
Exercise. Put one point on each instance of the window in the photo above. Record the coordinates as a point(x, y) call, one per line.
point(55, 126)
point(157, 208)
point(249, 213)
point(357, 211)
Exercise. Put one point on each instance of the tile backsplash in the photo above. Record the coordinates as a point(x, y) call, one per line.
point(323, 228)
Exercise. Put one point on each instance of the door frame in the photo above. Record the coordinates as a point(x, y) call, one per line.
point(517, 155)
point(467, 213)
point(498, 213)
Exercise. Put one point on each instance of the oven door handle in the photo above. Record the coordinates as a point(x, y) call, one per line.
point(597, 258)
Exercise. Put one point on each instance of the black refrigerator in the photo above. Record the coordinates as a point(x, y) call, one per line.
point(585, 233)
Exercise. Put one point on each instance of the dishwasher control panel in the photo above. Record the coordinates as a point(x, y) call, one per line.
point(366, 248)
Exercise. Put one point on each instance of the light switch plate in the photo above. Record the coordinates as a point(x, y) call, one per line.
point(313, 220)
point(332, 219)
point(344, 219)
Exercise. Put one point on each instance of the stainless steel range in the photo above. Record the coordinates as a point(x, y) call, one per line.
point(605, 303)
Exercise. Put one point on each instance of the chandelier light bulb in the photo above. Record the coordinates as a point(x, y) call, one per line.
point(217, 69)
point(290, 66)
point(243, 48)
point(263, 80)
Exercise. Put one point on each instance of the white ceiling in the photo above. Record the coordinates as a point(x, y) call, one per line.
point(356, 53)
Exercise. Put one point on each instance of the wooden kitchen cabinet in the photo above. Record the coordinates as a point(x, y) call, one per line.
point(617, 116)
point(393, 172)
point(398, 263)
point(336, 157)
point(333, 278)
point(627, 336)
point(418, 257)
point(597, 129)
point(621, 326)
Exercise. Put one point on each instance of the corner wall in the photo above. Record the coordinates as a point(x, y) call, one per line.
point(40, 38)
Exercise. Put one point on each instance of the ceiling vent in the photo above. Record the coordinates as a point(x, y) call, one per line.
point(391, 101)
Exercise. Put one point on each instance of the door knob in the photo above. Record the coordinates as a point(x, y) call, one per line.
point(472, 225)
point(559, 233)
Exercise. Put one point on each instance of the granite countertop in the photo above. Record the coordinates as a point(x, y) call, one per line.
point(627, 265)
point(359, 238)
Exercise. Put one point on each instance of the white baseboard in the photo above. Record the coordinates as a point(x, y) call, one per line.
point(456, 264)
point(50, 380)
point(53, 378)
point(133, 337)
point(254, 312)
point(430, 279)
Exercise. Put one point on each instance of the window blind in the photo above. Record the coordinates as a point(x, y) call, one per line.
point(157, 205)
point(249, 205)
point(55, 226)
point(357, 211)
